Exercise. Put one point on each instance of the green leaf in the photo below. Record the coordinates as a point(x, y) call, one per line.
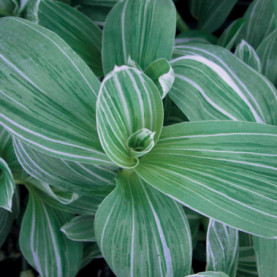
point(98, 3)
point(81, 178)
point(47, 93)
point(184, 165)
point(43, 244)
point(211, 83)
point(162, 74)
point(259, 22)
point(266, 255)
point(230, 34)
point(90, 252)
point(268, 55)
point(211, 14)
point(6, 221)
point(141, 232)
point(129, 115)
point(80, 228)
point(222, 248)
point(195, 36)
point(137, 30)
point(81, 34)
point(7, 7)
point(246, 53)
point(209, 274)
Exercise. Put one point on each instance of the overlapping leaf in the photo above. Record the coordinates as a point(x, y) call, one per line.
point(82, 35)
point(141, 232)
point(184, 165)
point(195, 36)
point(129, 115)
point(47, 93)
point(209, 274)
point(7, 7)
point(211, 83)
point(222, 248)
point(137, 30)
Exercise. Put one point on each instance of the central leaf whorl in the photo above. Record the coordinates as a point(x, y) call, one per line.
point(129, 115)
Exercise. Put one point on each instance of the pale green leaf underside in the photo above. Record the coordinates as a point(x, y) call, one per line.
point(266, 256)
point(80, 228)
point(209, 274)
point(77, 177)
point(42, 243)
point(81, 34)
point(259, 22)
point(184, 165)
point(138, 30)
point(267, 51)
point(246, 53)
point(128, 102)
point(211, 83)
point(47, 93)
point(141, 232)
point(211, 14)
point(222, 248)
point(162, 74)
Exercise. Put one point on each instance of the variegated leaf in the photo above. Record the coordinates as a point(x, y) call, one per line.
point(42, 243)
point(80, 228)
point(211, 83)
point(222, 248)
point(81, 34)
point(47, 93)
point(184, 165)
point(83, 179)
point(195, 36)
point(154, 37)
point(129, 115)
point(141, 232)
point(246, 53)
point(209, 274)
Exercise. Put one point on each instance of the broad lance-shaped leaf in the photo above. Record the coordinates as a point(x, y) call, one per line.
point(195, 36)
point(141, 232)
point(47, 93)
point(211, 14)
point(184, 165)
point(42, 243)
point(259, 22)
point(211, 83)
point(266, 255)
point(137, 30)
point(80, 228)
point(222, 248)
point(84, 179)
point(162, 74)
point(209, 274)
point(129, 115)
point(267, 51)
point(246, 53)
point(82, 35)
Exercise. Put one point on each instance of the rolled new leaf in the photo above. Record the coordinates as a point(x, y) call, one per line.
point(142, 232)
point(47, 93)
point(153, 39)
point(184, 165)
point(129, 115)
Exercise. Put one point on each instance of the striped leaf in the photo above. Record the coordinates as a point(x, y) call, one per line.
point(77, 177)
point(80, 228)
point(267, 51)
point(259, 22)
point(246, 53)
point(162, 74)
point(42, 243)
point(209, 274)
point(141, 232)
point(195, 36)
point(145, 19)
point(211, 83)
point(266, 255)
point(210, 14)
point(129, 115)
point(81, 34)
point(184, 165)
point(222, 248)
point(47, 93)
point(230, 34)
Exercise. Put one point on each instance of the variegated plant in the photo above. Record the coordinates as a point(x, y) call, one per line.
point(138, 135)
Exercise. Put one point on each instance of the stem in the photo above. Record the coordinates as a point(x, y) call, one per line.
point(181, 24)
